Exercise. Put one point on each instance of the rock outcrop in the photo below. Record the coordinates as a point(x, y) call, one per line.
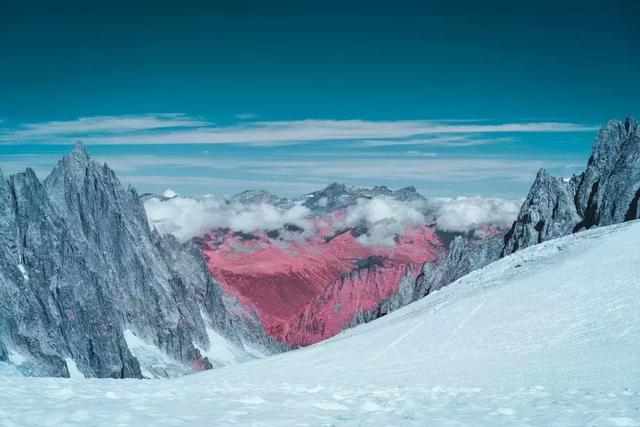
point(548, 212)
point(607, 192)
point(340, 196)
point(464, 256)
point(86, 284)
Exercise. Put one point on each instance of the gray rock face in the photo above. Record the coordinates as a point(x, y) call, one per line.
point(607, 192)
point(400, 298)
point(81, 271)
point(548, 212)
point(256, 197)
point(462, 258)
point(339, 196)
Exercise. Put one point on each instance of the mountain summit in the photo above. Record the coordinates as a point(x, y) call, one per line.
point(607, 192)
point(87, 288)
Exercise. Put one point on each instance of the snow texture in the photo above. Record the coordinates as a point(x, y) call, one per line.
point(547, 336)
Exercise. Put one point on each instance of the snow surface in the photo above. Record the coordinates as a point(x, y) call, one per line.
point(547, 336)
point(23, 271)
point(154, 363)
point(72, 367)
point(169, 193)
point(222, 351)
point(16, 358)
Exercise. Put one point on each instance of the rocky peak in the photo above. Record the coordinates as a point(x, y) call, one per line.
point(631, 124)
point(607, 192)
point(334, 188)
point(256, 197)
point(84, 278)
point(463, 257)
point(79, 152)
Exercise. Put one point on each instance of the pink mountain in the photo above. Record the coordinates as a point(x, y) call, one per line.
point(306, 289)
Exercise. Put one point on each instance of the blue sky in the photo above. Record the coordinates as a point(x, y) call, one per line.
point(456, 98)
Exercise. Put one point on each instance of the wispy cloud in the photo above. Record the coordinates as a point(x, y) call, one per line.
point(246, 116)
point(108, 125)
point(182, 129)
point(410, 168)
point(429, 169)
point(452, 140)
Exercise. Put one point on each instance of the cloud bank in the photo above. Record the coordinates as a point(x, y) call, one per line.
point(384, 219)
point(465, 214)
point(187, 218)
point(380, 219)
point(176, 128)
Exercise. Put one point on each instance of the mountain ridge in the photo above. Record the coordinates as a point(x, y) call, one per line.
point(86, 285)
point(83, 271)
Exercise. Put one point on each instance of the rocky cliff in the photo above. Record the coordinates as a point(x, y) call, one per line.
point(607, 192)
point(464, 256)
point(87, 287)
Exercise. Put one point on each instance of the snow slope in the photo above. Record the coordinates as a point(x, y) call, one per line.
point(547, 336)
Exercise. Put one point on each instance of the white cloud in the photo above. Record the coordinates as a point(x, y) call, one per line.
point(464, 214)
point(180, 129)
point(86, 126)
point(246, 116)
point(384, 218)
point(187, 218)
point(424, 168)
point(455, 140)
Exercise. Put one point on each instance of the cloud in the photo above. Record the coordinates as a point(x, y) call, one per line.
point(182, 129)
point(457, 140)
point(413, 169)
point(380, 219)
point(187, 218)
point(246, 116)
point(384, 219)
point(465, 214)
point(86, 126)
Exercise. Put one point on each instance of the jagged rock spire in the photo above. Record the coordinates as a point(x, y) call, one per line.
point(85, 245)
point(606, 193)
point(80, 152)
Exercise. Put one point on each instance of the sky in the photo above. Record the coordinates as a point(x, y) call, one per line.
point(452, 97)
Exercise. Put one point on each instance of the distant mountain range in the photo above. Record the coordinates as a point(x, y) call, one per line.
point(88, 287)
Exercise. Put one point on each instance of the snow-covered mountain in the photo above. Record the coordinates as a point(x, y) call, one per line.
point(312, 272)
point(547, 336)
point(310, 267)
point(606, 193)
point(86, 287)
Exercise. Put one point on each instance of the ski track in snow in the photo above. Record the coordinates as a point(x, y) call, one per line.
point(548, 336)
point(393, 344)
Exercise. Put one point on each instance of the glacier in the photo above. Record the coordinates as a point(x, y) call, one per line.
point(549, 335)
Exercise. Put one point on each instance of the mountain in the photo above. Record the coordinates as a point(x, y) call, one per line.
point(307, 286)
point(340, 196)
point(464, 256)
point(87, 288)
point(533, 339)
point(607, 192)
point(305, 289)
